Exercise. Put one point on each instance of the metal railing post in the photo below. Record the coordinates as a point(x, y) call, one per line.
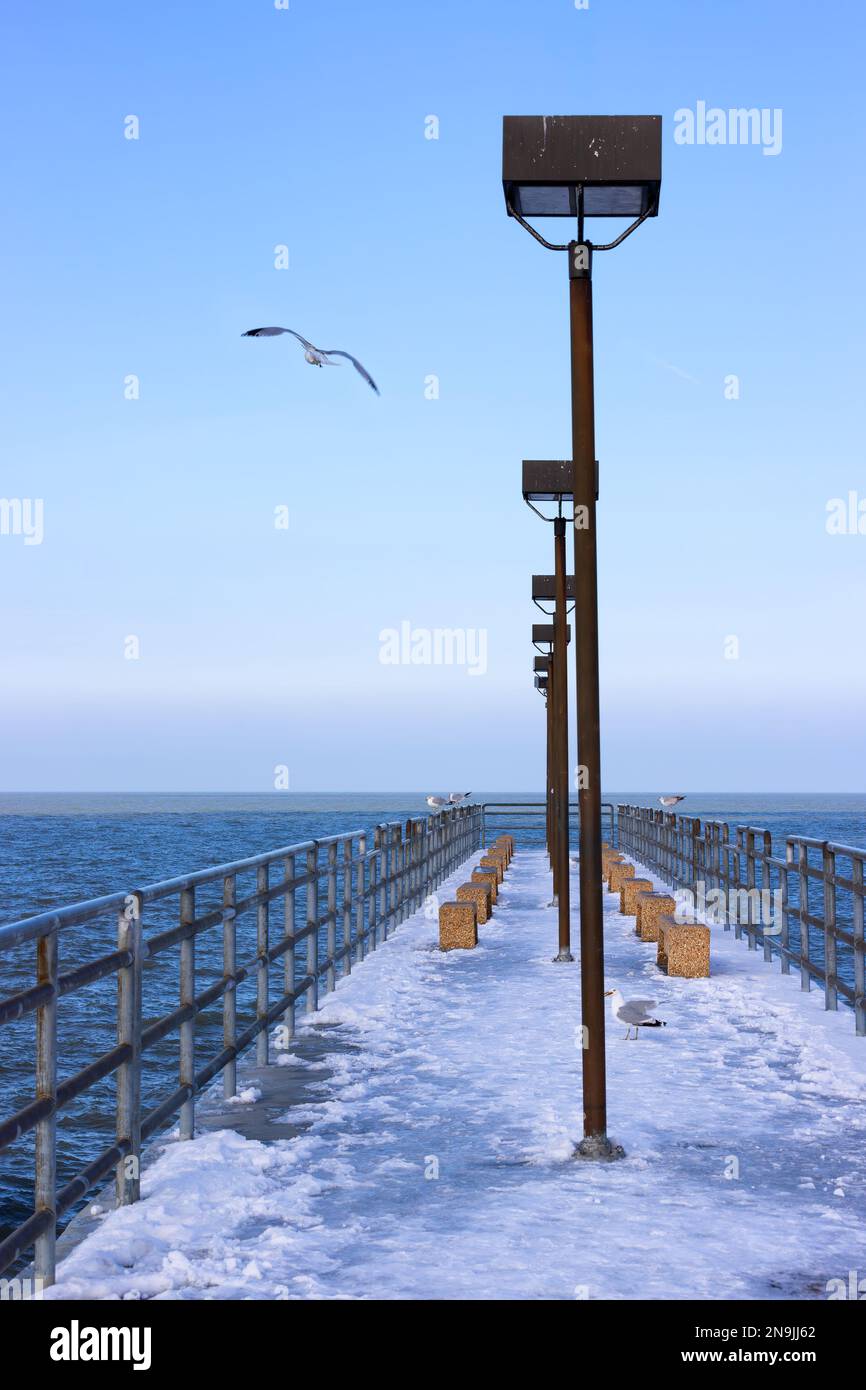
point(312, 1002)
point(230, 998)
point(361, 913)
point(381, 925)
point(828, 869)
point(859, 947)
point(128, 1120)
point(347, 906)
point(45, 1194)
point(750, 885)
point(262, 964)
point(331, 936)
point(289, 935)
point(767, 894)
point(395, 839)
point(784, 935)
point(802, 867)
point(187, 1000)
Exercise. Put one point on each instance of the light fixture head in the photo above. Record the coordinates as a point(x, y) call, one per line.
point(548, 480)
point(544, 587)
point(612, 163)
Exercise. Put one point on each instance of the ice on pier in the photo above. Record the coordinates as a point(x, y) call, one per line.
point(438, 1160)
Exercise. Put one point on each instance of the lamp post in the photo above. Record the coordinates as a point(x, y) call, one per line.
point(541, 668)
point(546, 481)
point(544, 640)
point(579, 167)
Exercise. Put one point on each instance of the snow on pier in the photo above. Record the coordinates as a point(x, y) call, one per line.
point(429, 1138)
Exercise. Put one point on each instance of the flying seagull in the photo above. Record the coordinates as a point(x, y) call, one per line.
point(671, 800)
point(456, 798)
point(318, 357)
point(634, 1012)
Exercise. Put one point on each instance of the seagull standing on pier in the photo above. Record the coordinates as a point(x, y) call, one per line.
point(317, 357)
point(634, 1012)
point(437, 802)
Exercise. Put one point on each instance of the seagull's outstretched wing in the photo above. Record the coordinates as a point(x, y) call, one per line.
point(335, 352)
point(272, 332)
point(636, 1010)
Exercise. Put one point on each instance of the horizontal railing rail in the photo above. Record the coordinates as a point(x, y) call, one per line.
point(351, 895)
point(517, 813)
point(741, 883)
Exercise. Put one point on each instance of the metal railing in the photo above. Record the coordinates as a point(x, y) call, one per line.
point(367, 891)
point(532, 815)
point(802, 908)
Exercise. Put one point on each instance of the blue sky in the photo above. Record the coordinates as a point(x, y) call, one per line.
point(261, 647)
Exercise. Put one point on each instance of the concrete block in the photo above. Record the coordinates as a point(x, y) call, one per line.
point(488, 861)
point(628, 894)
point(683, 949)
point(490, 877)
point(458, 927)
point(479, 894)
point(650, 908)
point(616, 875)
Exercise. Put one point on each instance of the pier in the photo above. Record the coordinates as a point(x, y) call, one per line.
point(401, 1122)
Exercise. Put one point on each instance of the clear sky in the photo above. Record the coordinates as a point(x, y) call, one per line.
point(260, 647)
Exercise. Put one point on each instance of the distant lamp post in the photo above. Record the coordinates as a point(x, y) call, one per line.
point(551, 482)
point(580, 167)
point(544, 641)
point(541, 667)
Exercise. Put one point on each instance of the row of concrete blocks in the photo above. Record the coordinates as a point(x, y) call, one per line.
point(459, 921)
point(682, 948)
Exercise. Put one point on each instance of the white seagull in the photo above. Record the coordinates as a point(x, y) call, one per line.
point(456, 798)
point(437, 802)
point(317, 357)
point(671, 800)
point(634, 1012)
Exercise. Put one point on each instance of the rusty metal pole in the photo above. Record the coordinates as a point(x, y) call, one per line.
point(553, 789)
point(560, 719)
point(548, 715)
point(595, 1143)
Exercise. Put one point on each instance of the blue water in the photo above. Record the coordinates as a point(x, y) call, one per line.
point(57, 849)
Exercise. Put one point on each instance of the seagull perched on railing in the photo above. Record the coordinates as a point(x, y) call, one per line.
point(437, 802)
point(317, 357)
point(634, 1012)
point(671, 800)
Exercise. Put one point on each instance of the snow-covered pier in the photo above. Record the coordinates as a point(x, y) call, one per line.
point(416, 1139)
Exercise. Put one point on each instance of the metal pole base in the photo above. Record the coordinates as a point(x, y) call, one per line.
point(563, 956)
point(600, 1148)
